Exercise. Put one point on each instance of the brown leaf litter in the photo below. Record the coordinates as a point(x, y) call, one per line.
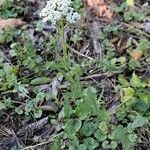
point(100, 7)
point(11, 22)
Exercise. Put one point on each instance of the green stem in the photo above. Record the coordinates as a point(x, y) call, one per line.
point(64, 46)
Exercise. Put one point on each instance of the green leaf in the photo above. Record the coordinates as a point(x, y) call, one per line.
point(6, 103)
point(29, 106)
point(40, 96)
point(128, 94)
point(135, 81)
point(73, 145)
point(103, 127)
point(90, 143)
point(72, 126)
point(139, 121)
point(40, 80)
point(121, 8)
point(123, 81)
point(89, 105)
point(82, 147)
point(131, 101)
point(21, 88)
point(121, 135)
point(133, 64)
point(7, 68)
point(144, 97)
point(113, 144)
point(76, 71)
point(141, 106)
point(2, 105)
point(19, 110)
point(56, 145)
point(2, 73)
point(132, 137)
point(12, 53)
point(37, 113)
point(106, 145)
point(2, 38)
point(76, 89)
point(67, 109)
point(130, 2)
point(144, 45)
point(128, 16)
point(100, 136)
point(88, 129)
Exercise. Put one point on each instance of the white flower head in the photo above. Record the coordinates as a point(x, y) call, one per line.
point(58, 9)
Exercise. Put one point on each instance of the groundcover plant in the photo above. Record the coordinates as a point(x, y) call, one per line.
point(74, 75)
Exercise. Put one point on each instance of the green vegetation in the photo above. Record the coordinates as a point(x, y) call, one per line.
point(107, 111)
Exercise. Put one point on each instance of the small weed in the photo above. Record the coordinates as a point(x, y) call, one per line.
point(10, 10)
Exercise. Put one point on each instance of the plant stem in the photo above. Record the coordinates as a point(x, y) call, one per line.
point(63, 41)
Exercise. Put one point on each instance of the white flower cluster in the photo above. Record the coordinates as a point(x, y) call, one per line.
point(57, 9)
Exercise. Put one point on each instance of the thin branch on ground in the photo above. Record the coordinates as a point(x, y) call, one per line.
point(99, 75)
point(43, 143)
point(80, 54)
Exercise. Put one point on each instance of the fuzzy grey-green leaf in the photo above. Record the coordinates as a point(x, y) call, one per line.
point(40, 80)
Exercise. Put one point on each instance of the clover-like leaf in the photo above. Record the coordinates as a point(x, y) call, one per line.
point(90, 143)
point(88, 129)
point(100, 136)
point(72, 126)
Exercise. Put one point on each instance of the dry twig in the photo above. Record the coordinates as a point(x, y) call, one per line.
point(33, 126)
point(80, 54)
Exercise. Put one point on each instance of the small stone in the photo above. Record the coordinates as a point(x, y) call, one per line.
point(146, 27)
